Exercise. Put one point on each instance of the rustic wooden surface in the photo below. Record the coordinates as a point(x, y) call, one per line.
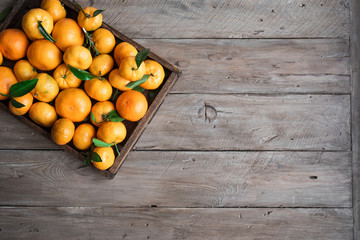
point(255, 140)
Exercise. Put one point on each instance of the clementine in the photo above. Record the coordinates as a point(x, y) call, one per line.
point(46, 88)
point(30, 23)
point(100, 110)
point(67, 33)
point(83, 136)
point(13, 44)
point(62, 131)
point(73, 103)
point(129, 70)
point(101, 65)
point(118, 81)
point(44, 55)
point(104, 40)
point(65, 78)
point(89, 22)
point(26, 100)
point(111, 132)
point(55, 8)
point(23, 70)
point(131, 105)
point(97, 89)
point(124, 50)
point(157, 75)
point(7, 78)
point(78, 56)
point(43, 114)
point(107, 157)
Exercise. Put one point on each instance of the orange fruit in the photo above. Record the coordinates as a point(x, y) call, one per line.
point(101, 65)
point(131, 105)
point(99, 111)
point(124, 50)
point(1, 58)
point(44, 55)
point(129, 70)
point(43, 114)
point(97, 89)
point(46, 88)
point(62, 131)
point(7, 78)
point(83, 136)
point(107, 157)
point(67, 33)
point(118, 81)
point(30, 23)
point(157, 75)
point(13, 44)
point(74, 104)
point(55, 8)
point(111, 132)
point(23, 70)
point(27, 100)
point(65, 78)
point(78, 56)
point(104, 40)
point(89, 22)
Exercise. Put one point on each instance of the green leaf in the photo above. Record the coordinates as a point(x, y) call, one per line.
point(141, 56)
point(138, 82)
point(95, 157)
point(44, 33)
point(16, 104)
point(100, 143)
point(139, 89)
point(81, 74)
point(97, 12)
point(22, 88)
point(117, 149)
point(87, 161)
point(81, 9)
point(5, 13)
point(114, 116)
point(4, 95)
point(93, 117)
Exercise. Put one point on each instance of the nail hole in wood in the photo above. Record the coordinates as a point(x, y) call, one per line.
point(313, 177)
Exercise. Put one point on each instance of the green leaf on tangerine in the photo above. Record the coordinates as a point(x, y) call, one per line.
point(81, 74)
point(22, 88)
point(4, 95)
point(44, 33)
point(95, 157)
point(139, 89)
point(138, 82)
point(141, 56)
point(99, 143)
point(16, 104)
point(117, 149)
point(5, 13)
point(97, 12)
point(93, 117)
point(114, 116)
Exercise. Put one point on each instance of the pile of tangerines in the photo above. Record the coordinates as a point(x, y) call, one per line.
point(65, 73)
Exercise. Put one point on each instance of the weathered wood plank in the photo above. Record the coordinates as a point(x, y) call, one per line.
point(355, 66)
point(257, 66)
point(248, 122)
point(154, 223)
point(228, 122)
point(227, 19)
point(180, 179)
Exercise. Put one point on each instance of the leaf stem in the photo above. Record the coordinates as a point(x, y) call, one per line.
point(90, 42)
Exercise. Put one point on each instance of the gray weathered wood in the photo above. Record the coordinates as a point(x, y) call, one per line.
point(229, 122)
point(250, 122)
point(175, 223)
point(227, 19)
point(257, 66)
point(355, 65)
point(180, 179)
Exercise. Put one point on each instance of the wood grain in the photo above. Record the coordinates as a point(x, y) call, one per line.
point(250, 122)
point(179, 179)
point(257, 66)
point(144, 223)
point(355, 66)
point(227, 19)
point(229, 122)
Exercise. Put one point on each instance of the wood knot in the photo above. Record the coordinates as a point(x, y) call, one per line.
point(210, 113)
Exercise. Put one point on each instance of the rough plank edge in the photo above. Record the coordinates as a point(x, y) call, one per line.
point(111, 172)
point(355, 110)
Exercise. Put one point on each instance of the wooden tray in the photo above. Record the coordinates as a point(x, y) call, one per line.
point(134, 130)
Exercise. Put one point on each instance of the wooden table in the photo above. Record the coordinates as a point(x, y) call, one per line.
point(257, 140)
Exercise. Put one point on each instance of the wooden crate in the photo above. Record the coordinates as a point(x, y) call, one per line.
point(134, 130)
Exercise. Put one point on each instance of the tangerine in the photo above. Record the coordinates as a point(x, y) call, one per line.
point(118, 81)
point(44, 55)
point(157, 75)
point(83, 136)
point(30, 23)
point(23, 70)
point(98, 89)
point(73, 103)
point(26, 100)
point(107, 157)
point(124, 50)
point(100, 110)
point(13, 44)
point(104, 40)
point(67, 33)
point(65, 78)
point(129, 70)
point(43, 114)
point(111, 132)
point(55, 8)
point(101, 65)
point(89, 22)
point(62, 131)
point(46, 88)
point(131, 105)
point(7, 79)
point(78, 56)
